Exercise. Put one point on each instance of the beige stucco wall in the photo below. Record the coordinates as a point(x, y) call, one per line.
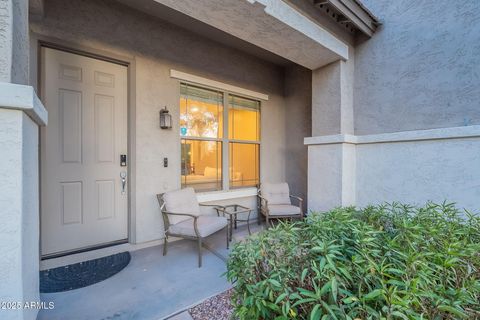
point(419, 71)
point(298, 124)
point(411, 167)
point(443, 168)
point(14, 41)
point(19, 230)
point(421, 68)
point(156, 47)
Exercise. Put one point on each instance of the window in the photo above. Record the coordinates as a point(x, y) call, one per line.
point(201, 128)
point(209, 146)
point(244, 141)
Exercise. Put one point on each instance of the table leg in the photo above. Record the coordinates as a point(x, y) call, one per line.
point(231, 227)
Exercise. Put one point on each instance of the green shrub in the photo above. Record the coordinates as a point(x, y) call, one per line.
point(384, 262)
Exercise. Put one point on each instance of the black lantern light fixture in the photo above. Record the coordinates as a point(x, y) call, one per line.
point(165, 119)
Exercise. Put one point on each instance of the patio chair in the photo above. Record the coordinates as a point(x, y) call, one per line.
point(275, 202)
point(182, 218)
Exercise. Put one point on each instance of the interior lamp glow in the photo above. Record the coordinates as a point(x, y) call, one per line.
point(165, 119)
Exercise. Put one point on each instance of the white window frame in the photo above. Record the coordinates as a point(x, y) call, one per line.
point(217, 85)
point(226, 90)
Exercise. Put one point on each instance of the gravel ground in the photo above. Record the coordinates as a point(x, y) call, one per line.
point(215, 308)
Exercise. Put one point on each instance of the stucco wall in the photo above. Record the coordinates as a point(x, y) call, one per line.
point(324, 181)
point(31, 216)
point(19, 230)
point(20, 42)
point(14, 41)
point(411, 167)
point(326, 100)
point(421, 69)
point(298, 124)
point(157, 47)
point(332, 98)
point(415, 172)
point(11, 204)
point(5, 40)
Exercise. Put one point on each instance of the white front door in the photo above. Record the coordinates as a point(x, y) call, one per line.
point(83, 201)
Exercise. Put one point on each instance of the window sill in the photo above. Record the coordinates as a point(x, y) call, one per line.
point(226, 195)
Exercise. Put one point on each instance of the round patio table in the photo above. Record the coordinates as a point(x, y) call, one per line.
point(231, 212)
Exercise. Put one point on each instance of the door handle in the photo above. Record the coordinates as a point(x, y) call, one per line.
point(123, 176)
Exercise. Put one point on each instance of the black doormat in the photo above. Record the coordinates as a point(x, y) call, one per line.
point(82, 274)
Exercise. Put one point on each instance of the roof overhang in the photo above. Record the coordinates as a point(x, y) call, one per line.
point(278, 27)
point(272, 25)
point(351, 13)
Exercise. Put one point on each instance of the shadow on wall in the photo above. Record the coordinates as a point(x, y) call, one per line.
point(298, 123)
point(117, 27)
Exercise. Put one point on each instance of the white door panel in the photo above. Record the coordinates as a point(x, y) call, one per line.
point(82, 200)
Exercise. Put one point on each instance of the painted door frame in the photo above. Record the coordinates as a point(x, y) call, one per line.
point(39, 41)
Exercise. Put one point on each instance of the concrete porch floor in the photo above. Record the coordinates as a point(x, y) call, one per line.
point(151, 287)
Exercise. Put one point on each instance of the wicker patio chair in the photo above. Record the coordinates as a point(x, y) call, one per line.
point(182, 218)
point(275, 202)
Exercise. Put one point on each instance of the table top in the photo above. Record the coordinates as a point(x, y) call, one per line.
point(240, 209)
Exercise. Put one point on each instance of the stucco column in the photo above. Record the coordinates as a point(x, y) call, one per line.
point(331, 166)
point(21, 113)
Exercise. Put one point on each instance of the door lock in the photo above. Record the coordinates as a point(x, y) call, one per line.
point(123, 160)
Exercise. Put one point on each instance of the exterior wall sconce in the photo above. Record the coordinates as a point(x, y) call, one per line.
point(165, 119)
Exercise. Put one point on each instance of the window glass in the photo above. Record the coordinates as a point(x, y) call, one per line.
point(244, 164)
point(201, 112)
point(243, 119)
point(201, 164)
point(201, 131)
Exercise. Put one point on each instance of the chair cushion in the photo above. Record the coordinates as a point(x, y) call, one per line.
point(283, 209)
point(181, 201)
point(206, 226)
point(276, 193)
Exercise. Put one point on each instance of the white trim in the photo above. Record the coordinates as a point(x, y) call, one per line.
point(225, 147)
point(333, 139)
point(21, 97)
point(226, 195)
point(404, 136)
point(216, 84)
